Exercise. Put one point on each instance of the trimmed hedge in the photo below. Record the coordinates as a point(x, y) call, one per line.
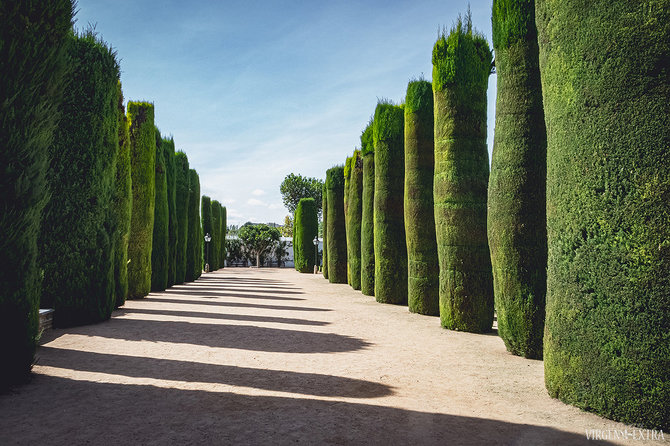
point(214, 250)
point(159, 245)
point(207, 227)
point(461, 67)
point(77, 235)
point(422, 264)
point(345, 202)
point(194, 245)
point(354, 172)
point(33, 36)
point(367, 213)
point(517, 230)
point(337, 240)
point(183, 186)
point(171, 175)
point(324, 212)
point(389, 231)
point(305, 228)
point(143, 172)
point(122, 205)
point(223, 244)
point(606, 87)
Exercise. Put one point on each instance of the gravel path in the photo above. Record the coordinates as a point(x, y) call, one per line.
point(271, 356)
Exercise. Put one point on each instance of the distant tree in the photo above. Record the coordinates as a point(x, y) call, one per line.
point(232, 230)
point(280, 252)
point(294, 187)
point(287, 229)
point(258, 239)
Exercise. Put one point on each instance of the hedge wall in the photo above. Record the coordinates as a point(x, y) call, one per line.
point(214, 249)
point(422, 265)
point(517, 231)
point(77, 242)
point(183, 186)
point(194, 245)
point(159, 245)
point(122, 205)
point(389, 231)
point(354, 200)
point(337, 240)
point(461, 67)
point(305, 228)
point(207, 227)
point(324, 212)
point(171, 176)
point(367, 213)
point(33, 65)
point(606, 87)
point(345, 202)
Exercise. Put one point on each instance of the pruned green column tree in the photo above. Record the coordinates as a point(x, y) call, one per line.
point(207, 226)
point(345, 202)
point(516, 196)
point(122, 205)
point(159, 245)
point(183, 185)
point(606, 91)
point(224, 231)
point(422, 265)
point(305, 228)
point(367, 213)
point(194, 246)
point(143, 173)
point(77, 235)
point(337, 239)
point(324, 213)
point(171, 177)
point(461, 67)
point(354, 187)
point(389, 232)
point(33, 63)
point(215, 248)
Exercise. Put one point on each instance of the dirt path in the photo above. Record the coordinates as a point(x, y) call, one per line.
point(270, 356)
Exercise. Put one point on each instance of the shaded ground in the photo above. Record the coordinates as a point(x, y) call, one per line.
point(270, 356)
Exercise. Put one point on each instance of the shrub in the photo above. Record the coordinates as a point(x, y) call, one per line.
point(207, 226)
point(422, 264)
point(183, 186)
point(324, 211)
point(606, 85)
point(33, 36)
point(305, 228)
point(159, 246)
point(461, 67)
point(389, 231)
point(171, 177)
point(367, 213)
point(337, 241)
point(194, 246)
point(354, 200)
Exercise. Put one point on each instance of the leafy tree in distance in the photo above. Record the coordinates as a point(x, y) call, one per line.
point(287, 229)
point(258, 239)
point(295, 187)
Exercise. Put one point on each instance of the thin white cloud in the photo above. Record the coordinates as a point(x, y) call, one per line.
point(255, 202)
point(258, 192)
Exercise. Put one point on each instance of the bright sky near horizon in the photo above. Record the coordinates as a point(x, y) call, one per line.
point(255, 90)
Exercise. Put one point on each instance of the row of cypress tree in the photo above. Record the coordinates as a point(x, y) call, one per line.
point(214, 224)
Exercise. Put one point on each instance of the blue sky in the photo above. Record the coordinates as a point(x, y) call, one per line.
point(255, 90)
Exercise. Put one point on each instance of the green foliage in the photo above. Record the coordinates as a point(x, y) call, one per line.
point(324, 207)
point(336, 235)
point(77, 235)
point(368, 226)
point(207, 225)
point(516, 195)
point(183, 186)
point(143, 173)
point(33, 36)
point(234, 251)
point(287, 228)
point(306, 228)
point(222, 241)
point(354, 203)
point(460, 182)
point(606, 83)
point(194, 245)
point(367, 141)
point(159, 245)
point(296, 187)
point(122, 205)
point(422, 263)
point(217, 232)
point(389, 227)
point(171, 177)
point(258, 240)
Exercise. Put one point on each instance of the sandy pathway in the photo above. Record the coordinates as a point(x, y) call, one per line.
point(270, 356)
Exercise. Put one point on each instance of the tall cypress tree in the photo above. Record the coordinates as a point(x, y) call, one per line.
point(159, 245)
point(214, 249)
point(143, 172)
point(423, 268)
point(390, 247)
point(354, 202)
point(305, 228)
point(461, 67)
point(183, 186)
point(337, 240)
point(171, 175)
point(194, 245)
point(367, 213)
point(224, 231)
point(77, 236)
point(33, 36)
point(606, 91)
point(324, 212)
point(207, 227)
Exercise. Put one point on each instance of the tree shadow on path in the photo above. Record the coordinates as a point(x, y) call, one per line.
point(224, 316)
point(217, 303)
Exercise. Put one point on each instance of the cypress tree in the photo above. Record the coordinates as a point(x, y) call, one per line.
point(324, 212)
point(214, 249)
point(389, 232)
point(346, 206)
point(337, 241)
point(224, 231)
point(207, 227)
point(159, 246)
point(517, 231)
point(422, 264)
point(367, 214)
point(33, 36)
point(171, 176)
point(606, 91)
point(461, 67)
point(183, 186)
point(77, 236)
point(305, 228)
point(143, 173)
point(354, 200)
point(122, 205)
point(194, 245)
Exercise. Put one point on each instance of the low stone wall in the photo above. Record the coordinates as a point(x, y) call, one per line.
point(46, 319)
